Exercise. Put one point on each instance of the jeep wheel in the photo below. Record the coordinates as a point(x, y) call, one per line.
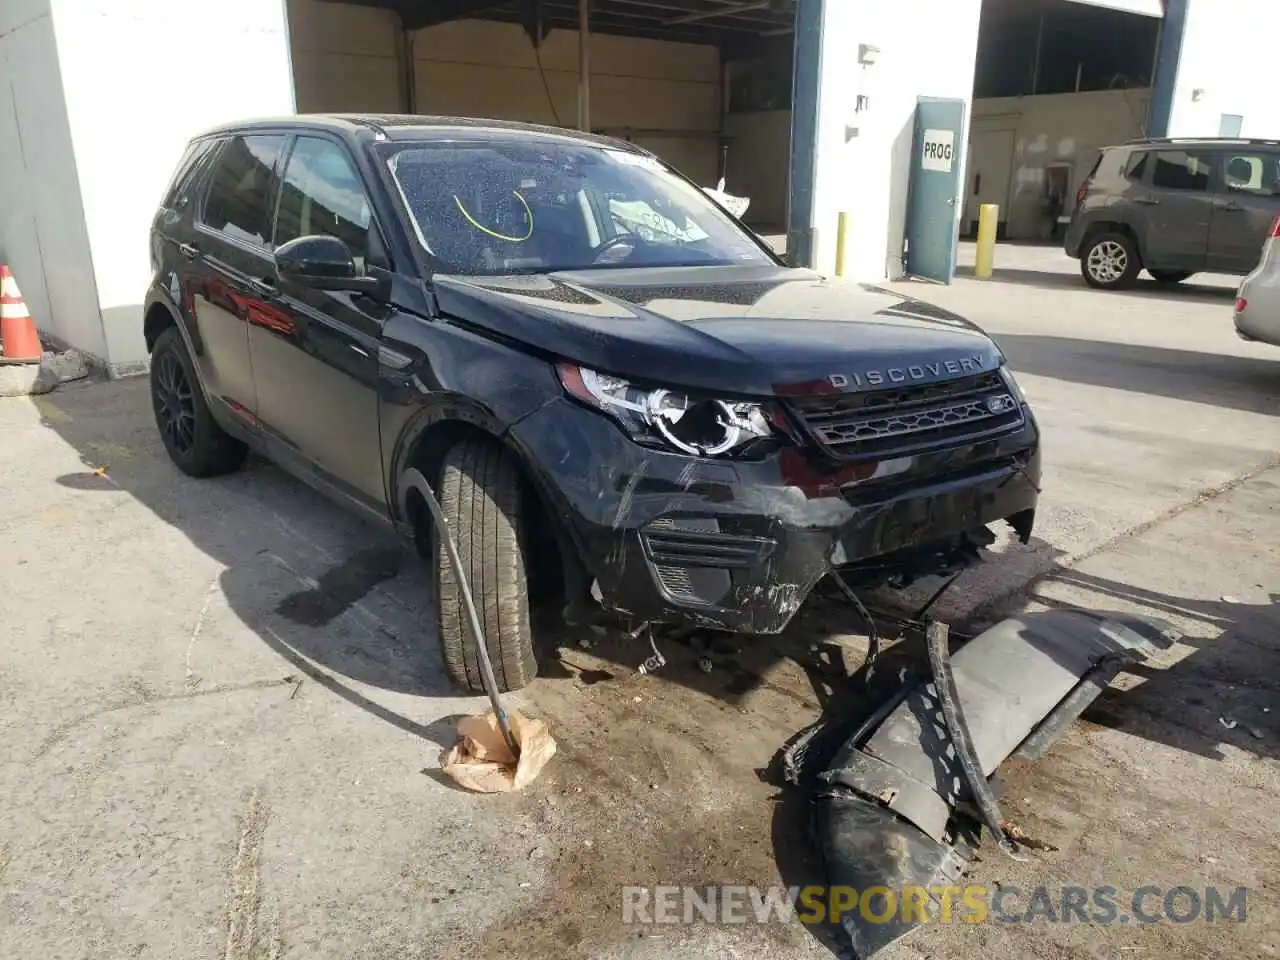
point(193, 439)
point(1170, 276)
point(480, 494)
point(1110, 262)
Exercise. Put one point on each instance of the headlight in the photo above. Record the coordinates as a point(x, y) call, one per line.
point(699, 426)
point(1012, 384)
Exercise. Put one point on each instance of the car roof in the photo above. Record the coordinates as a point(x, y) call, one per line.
point(409, 128)
point(1174, 142)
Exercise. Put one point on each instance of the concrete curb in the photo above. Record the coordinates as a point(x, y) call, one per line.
point(30, 379)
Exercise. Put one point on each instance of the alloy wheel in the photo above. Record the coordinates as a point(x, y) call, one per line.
point(1108, 261)
point(175, 404)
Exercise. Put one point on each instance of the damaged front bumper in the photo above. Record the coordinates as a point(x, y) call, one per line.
point(738, 545)
point(896, 812)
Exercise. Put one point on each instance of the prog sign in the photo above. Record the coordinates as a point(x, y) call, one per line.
point(938, 152)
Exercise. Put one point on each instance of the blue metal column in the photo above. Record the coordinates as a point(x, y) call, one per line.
point(1166, 73)
point(806, 82)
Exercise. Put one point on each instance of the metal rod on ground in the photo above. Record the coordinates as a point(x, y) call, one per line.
point(584, 65)
point(944, 683)
point(873, 635)
point(473, 622)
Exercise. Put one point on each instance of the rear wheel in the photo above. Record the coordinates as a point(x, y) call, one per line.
point(1110, 261)
point(1170, 276)
point(480, 493)
point(192, 438)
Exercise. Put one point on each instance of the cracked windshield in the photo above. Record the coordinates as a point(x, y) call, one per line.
point(534, 207)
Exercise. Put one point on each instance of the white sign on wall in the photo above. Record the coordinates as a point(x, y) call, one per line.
point(939, 150)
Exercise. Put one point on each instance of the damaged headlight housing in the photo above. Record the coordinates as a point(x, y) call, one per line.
point(1009, 381)
point(694, 425)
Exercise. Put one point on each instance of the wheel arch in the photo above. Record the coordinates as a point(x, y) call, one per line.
point(416, 472)
point(1103, 226)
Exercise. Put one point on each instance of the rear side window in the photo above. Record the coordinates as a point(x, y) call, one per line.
point(1182, 170)
point(1135, 167)
point(1251, 173)
point(239, 196)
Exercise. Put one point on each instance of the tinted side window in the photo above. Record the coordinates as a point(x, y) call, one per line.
point(1253, 173)
point(1182, 170)
point(240, 188)
point(323, 194)
point(1136, 166)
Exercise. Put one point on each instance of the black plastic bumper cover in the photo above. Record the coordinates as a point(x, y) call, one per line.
point(887, 815)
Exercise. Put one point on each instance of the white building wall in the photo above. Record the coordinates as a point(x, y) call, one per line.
point(173, 69)
point(42, 231)
point(927, 48)
point(1227, 51)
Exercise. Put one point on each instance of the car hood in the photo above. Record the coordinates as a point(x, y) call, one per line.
point(755, 331)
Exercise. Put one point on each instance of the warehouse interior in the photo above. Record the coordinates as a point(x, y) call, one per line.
point(707, 84)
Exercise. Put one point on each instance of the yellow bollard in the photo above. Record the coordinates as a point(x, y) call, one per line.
point(842, 243)
point(984, 259)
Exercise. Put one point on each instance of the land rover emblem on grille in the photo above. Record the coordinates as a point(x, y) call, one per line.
point(915, 371)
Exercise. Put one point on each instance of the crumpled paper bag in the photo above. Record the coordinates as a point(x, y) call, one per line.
point(482, 761)
point(735, 205)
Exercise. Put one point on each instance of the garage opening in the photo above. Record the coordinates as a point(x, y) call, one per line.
point(1055, 81)
point(657, 72)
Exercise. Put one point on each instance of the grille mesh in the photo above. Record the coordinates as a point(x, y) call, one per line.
point(901, 419)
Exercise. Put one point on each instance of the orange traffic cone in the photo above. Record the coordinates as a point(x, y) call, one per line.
point(18, 338)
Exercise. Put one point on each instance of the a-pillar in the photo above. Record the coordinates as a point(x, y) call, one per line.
point(860, 67)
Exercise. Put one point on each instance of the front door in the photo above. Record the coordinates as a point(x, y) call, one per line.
point(1246, 200)
point(315, 357)
point(933, 214)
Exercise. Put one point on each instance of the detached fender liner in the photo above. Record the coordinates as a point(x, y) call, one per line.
point(895, 810)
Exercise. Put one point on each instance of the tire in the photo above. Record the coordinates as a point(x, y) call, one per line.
point(1170, 276)
point(1110, 261)
point(480, 493)
point(195, 442)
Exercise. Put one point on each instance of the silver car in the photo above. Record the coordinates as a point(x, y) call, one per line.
point(1258, 299)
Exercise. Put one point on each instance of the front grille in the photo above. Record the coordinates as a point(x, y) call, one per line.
point(903, 420)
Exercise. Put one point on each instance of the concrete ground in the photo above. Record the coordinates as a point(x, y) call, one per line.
point(223, 707)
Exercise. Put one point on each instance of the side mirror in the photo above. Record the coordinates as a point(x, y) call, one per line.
point(322, 263)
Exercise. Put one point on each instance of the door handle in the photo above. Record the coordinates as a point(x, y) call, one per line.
point(189, 250)
point(1230, 206)
point(264, 286)
point(359, 349)
point(1148, 201)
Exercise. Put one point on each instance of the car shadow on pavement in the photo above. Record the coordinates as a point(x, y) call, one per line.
point(340, 601)
point(1223, 380)
point(1144, 289)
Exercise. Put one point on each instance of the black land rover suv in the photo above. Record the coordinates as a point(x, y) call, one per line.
point(1175, 207)
point(620, 396)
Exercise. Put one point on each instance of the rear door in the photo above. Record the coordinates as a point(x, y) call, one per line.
point(1246, 199)
point(315, 355)
point(1176, 203)
point(229, 255)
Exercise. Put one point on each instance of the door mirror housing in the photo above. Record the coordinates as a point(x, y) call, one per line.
point(322, 263)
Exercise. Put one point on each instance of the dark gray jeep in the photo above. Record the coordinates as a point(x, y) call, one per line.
point(1175, 207)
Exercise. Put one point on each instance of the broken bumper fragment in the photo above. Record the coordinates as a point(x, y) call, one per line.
point(895, 811)
point(739, 544)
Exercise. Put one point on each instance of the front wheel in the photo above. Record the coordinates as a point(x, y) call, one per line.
point(1110, 262)
point(1170, 276)
point(481, 496)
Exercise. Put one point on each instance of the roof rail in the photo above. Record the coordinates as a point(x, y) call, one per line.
point(377, 128)
point(1223, 140)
